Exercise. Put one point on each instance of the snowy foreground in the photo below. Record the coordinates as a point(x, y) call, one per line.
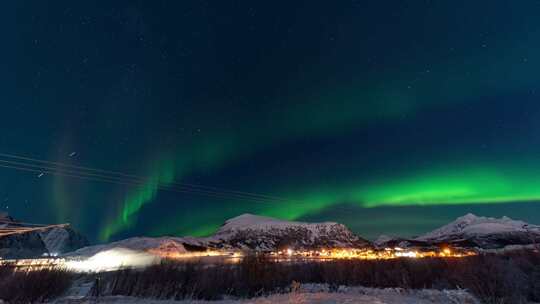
point(317, 294)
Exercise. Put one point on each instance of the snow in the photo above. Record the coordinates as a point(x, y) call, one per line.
point(472, 225)
point(247, 220)
point(241, 232)
point(487, 228)
point(256, 222)
point(55, 239)
point(512, 248)
point(4, 217)
point(316, 294)
point(261, 233)
point(35, 240)
point(253, 232)
point(382, 239)
point(135, 244)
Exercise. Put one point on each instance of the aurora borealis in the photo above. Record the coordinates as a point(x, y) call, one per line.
point(390, 117)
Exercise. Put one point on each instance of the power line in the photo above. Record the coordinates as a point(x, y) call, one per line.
point(129, 179)
point(116, 180)
point(132, 176)
point(29, 164)
point(188, 191)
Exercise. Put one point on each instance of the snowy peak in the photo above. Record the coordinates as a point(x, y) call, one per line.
point(33, 242)
point(254, 232)
point(383, 239)
point(471, 224)
point(245, 232)
point(248, 220)
point(5, 220)
point(257, 222)
point(484, 232)
point(62, 239)
point(468, 218)
point(471, 231)
point(136, 244)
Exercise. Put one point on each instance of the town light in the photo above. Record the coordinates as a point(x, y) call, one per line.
point(112, 260)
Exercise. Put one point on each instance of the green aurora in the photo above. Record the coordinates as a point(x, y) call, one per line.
point(354, 108)
point(381, 106)
point(451, 185)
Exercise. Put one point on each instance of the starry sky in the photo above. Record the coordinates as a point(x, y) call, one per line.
point(391, 117)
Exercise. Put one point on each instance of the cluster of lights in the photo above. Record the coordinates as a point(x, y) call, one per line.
point(371, 254)
point(114, 259)
point(111, 260)
point(33, 264)
point(108, 260)
point(195, 254)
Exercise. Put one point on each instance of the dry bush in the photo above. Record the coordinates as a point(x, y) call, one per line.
point(33, 286)
point(169, 280)
point(513, 278)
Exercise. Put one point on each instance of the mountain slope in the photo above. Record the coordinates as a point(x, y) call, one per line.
point(25, 245)
point(60, 240)
point(244, 232)
point(472, 231)
point(21, 240)
point(254, 232)
point(472, 225)
point(484, 232)
point(136, 244)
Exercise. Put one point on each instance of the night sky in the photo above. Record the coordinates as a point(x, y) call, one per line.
point(391, 117)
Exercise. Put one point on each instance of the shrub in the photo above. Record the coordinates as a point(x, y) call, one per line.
point(511, 278)
point(33, 286)
point(499, 279)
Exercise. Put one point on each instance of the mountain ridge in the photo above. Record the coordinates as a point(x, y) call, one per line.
point(37, 241)
point(247, 232)
point(475, 231)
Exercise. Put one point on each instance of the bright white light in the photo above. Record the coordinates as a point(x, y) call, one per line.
point(289, 251)
point(112, 260)
point(408, 254)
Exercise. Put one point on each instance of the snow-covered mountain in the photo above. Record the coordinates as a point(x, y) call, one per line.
point(472, 231)
point(35, 243)
point(244, 232)
point(5, 219)
point(472, 225)
point(484, 232)
point(24, 245)
point(168, 244)
point(60, 240)
point(254, 232)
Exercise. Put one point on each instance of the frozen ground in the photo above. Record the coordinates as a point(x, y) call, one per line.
point(317, 294)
